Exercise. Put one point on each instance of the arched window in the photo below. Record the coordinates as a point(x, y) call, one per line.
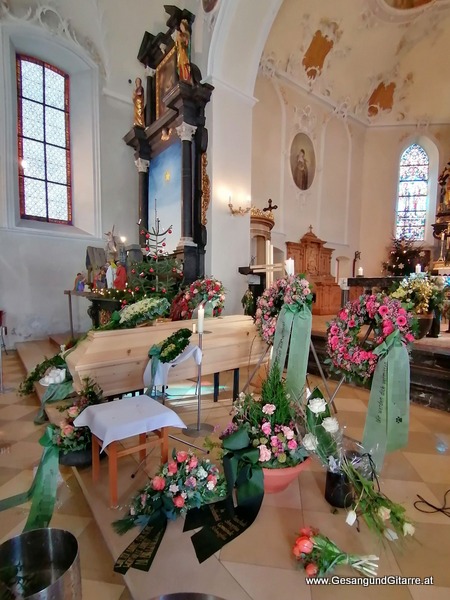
point(413, 193)
point(43, 130)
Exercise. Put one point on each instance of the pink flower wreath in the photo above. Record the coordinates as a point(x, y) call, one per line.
point(385, 315)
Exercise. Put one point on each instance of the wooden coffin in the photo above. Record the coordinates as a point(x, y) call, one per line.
point(116, 359)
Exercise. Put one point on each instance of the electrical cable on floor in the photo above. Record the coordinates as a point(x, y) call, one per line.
point(444, 509)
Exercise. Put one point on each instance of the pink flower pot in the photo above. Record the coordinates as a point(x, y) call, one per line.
point(277, 480)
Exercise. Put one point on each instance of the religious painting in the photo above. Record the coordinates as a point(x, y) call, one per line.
point(209, 5)
point(303, 161)
point(166, 78)
point(164, 195)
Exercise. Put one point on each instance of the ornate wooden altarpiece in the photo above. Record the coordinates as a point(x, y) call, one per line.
point(174, 111)
point(312, 259)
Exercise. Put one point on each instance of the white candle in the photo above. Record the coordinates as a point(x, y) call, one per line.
point(443, 236)
point(267, 252)
point(360, 272)
point(271, 255)
point(418, 269)
point(289, 265)
point(201, 318)
point(194, 328)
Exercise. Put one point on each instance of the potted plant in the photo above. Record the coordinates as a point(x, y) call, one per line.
point(267, 426)
point(75, 443)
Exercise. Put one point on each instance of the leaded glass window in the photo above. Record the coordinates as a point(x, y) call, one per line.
point(412, 193)
point(43, 141)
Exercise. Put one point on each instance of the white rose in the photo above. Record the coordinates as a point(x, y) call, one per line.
point(390, 535)
point(384, 513)
point(309, 442)
point(351, 517)
point(317, 405)
point(330, 424)
point(408, 528)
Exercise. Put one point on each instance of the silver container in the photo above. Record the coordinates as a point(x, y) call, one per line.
point(187, 596)
point(42, 564)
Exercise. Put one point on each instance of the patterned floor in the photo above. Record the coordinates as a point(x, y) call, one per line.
point(258, 564)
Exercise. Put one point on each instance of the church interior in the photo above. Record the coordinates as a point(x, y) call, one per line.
point(232, 136)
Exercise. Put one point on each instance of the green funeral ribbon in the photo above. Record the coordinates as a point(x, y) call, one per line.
point(154, 353)
point(54, 393)
point(221, 522)
point(387, 420)
point(42, 492)
point(293, 332)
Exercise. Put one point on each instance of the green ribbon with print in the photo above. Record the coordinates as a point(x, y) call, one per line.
point(387, 420)
point(293, 333)
point(42, 492)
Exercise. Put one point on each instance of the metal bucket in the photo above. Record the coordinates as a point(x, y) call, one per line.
point(42, 564)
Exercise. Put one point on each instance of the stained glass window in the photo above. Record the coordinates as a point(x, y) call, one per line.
point(43, 141)
point(412, 193)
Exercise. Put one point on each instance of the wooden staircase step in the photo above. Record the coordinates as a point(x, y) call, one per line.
point(34, 352)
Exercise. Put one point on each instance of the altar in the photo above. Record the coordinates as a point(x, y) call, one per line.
point(314, 260)
point(116, 360)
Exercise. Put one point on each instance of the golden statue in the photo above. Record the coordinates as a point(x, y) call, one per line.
point(138, 101)
point(183, 45)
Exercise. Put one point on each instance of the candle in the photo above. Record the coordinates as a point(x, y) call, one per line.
point(194, 328)
point(267, 252)
point(289, 266)
point(443, 236)
point(360, 272)
point(201, 318)
point(418, 269)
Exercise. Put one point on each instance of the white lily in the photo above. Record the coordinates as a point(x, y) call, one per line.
point(408, 528)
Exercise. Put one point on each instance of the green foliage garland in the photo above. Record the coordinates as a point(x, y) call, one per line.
point(172, 346)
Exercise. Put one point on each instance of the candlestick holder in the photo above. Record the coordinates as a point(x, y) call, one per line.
point(199, 429)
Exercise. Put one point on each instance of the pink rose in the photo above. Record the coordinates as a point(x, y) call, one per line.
point(266, 428)
point(409, 337)
point(288, 432)
point(334, 330)
point(182, 456)
point(292, 444)
point(178, 501)
point(191, 482)
point(67, 430)
point(269, 409)
point(172, 468)
point(304, 544)
point(73, 412)
point(212, 478)
point(311, 569)
point(388, 328)
point(274, 441)
point(158, 483)
point(193, 462)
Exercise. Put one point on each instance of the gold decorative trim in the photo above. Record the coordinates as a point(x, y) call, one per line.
point(206, 189)
point(257, 213)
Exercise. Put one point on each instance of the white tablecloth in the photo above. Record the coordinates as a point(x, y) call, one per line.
point(162, 371)
point(124, 418)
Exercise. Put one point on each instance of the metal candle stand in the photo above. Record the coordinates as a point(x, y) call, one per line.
point(197, 429)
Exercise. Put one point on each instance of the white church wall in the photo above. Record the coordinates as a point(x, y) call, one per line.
point(332, 202)
point(382, 152)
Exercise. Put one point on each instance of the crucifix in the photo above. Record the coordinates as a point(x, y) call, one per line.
point(269, 268)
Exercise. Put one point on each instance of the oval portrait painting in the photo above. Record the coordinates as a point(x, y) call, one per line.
point(303, 161)
point(209, 5)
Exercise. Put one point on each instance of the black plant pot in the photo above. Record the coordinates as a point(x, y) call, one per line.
point(338, 491)
point(76, 458)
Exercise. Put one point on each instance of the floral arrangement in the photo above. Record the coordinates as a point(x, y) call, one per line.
point(67, 437)
point(379, 512)
point(420, 293)
point(318, 555)
point(172, 346)
point(27, 385)
point(269, 422)
point(147, 309)
point(293, 289)
point(385, 315)
point(201, 291)
point(183, 483)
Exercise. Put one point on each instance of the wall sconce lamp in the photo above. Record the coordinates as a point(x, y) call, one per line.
point(238, 211)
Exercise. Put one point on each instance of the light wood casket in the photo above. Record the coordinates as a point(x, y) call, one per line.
point(116, 360)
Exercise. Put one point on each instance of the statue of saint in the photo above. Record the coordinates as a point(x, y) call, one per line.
point(183, 45)
point(138, 101)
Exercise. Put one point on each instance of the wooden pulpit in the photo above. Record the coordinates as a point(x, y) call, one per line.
point(312, 259)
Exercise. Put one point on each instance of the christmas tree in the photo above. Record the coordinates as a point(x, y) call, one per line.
point(404, 255)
